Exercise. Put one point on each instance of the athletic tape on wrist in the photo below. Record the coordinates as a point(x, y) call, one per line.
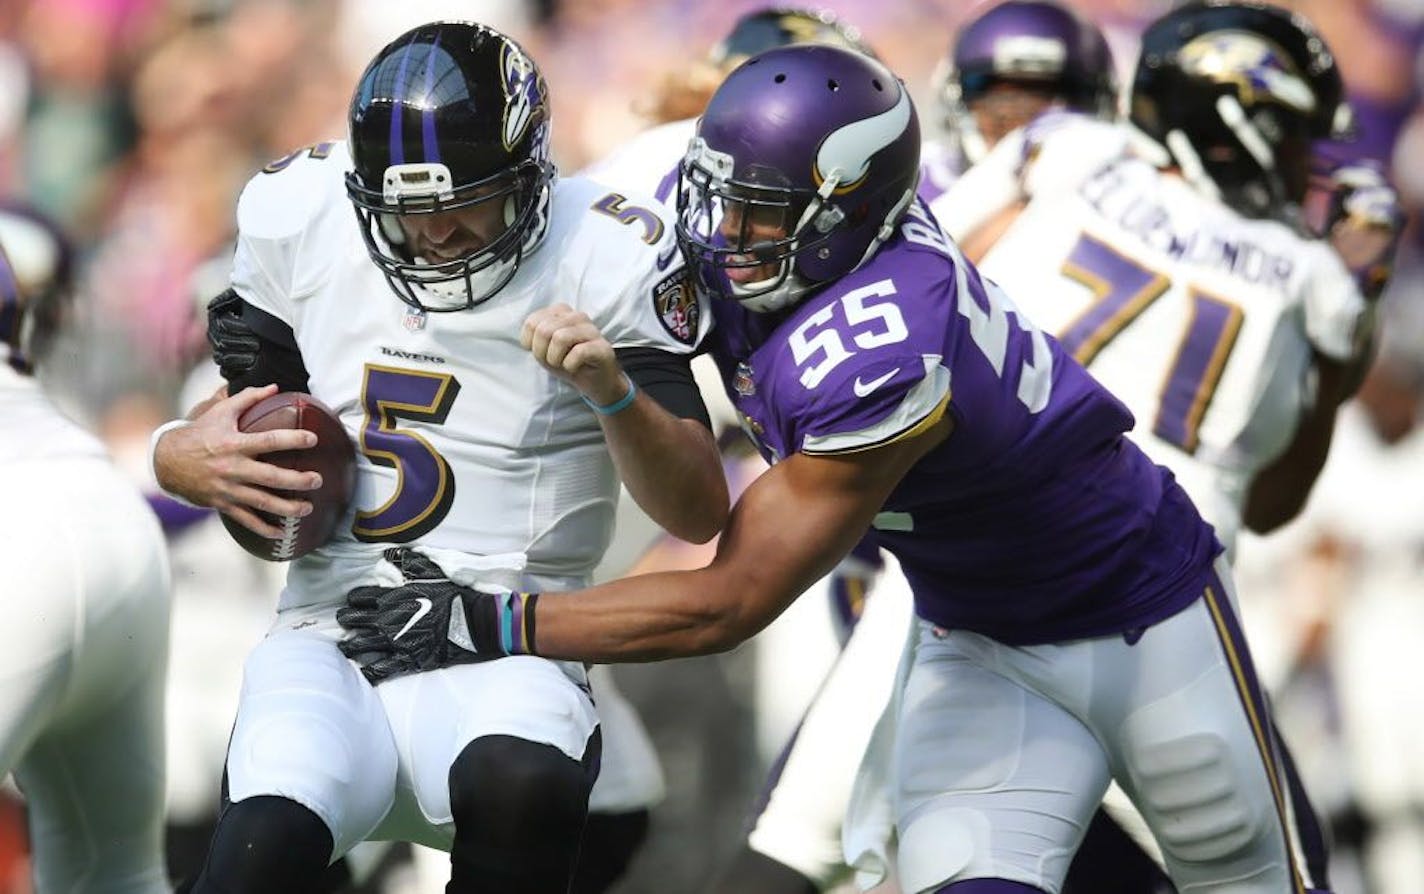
point(516, 623)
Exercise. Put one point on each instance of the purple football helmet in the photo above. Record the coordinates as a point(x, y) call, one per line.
point(1033, 42)
point(806, 158)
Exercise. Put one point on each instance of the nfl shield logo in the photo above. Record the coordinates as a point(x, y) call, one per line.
point(414, 320)
point(742, 382)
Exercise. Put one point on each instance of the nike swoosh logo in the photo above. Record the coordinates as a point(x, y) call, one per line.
point(862, 389)
point(421, 611)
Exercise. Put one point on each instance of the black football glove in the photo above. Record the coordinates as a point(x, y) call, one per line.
point(431, 622)
point(235, 345)
point(253, 348)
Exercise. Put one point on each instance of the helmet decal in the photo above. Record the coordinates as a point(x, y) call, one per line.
point(427, 115)
point(1260, 70)
point(524, 90)
point(848, 151)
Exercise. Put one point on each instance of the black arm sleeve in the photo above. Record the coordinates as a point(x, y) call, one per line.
point(667, 378)
point(252, 347)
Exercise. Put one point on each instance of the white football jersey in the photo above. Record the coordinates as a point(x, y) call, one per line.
point(34, 427)
point(646, 163)
point(464, 442)
point(1200, 320)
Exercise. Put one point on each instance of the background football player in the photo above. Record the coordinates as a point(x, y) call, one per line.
point(86, 584)
point(1183, 279)
point(494, 423)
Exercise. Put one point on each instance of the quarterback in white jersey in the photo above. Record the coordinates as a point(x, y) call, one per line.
point(87, 587)
point(537, 353)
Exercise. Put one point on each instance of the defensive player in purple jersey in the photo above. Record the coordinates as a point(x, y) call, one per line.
point(1005, 66)
point(1075, 620)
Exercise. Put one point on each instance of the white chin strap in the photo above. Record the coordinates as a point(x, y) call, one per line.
point(449, 292)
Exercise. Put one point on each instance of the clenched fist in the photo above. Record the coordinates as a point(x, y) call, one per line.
point(567, 343)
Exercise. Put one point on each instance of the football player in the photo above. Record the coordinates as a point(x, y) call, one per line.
point(1179, 273)
point(87, 589)
point(648, 163)
point(1076, 622)
point(1006, 66)
point(503, 346)
point(1011, 62)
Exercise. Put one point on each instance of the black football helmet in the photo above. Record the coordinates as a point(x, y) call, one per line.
point(36, 284)
point(1233, 93)
point(783, 26)
point(448, 116)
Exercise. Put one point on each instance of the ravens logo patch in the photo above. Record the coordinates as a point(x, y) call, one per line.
point(676, 304)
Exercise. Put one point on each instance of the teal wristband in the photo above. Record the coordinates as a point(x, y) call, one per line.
point(621, 403)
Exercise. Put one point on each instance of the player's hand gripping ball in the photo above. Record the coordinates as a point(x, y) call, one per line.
point(333, 458)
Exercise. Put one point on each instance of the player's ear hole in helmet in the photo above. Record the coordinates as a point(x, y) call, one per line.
point(449, 129)
point(804, 161)
point(1233, 94)
point(1035, 47)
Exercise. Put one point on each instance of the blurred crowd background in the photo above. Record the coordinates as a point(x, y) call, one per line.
point(135, 123)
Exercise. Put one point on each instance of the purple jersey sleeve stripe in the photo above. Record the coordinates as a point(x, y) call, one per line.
point(428, 144)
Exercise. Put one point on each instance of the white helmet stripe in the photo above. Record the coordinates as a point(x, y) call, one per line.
point(845, 154)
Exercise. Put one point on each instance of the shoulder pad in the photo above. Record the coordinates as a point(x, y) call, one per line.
point(288, 194)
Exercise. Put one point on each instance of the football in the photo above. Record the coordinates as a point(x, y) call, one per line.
point(333, 458)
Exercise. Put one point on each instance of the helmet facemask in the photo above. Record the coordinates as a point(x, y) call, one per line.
point(728, 227)
point(516, 200)
point(805, 160)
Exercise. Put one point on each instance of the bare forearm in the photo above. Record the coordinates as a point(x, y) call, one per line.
point(671, 467)
point(637, 619)
point(1280, 490)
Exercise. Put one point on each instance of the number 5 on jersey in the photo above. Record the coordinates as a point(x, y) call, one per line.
point(425, 484)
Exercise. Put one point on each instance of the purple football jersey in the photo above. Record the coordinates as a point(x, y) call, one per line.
point(1036, 521)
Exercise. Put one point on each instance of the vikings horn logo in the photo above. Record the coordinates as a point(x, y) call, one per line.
point(524, 93)
point(1259, 69)
point(846, 153)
